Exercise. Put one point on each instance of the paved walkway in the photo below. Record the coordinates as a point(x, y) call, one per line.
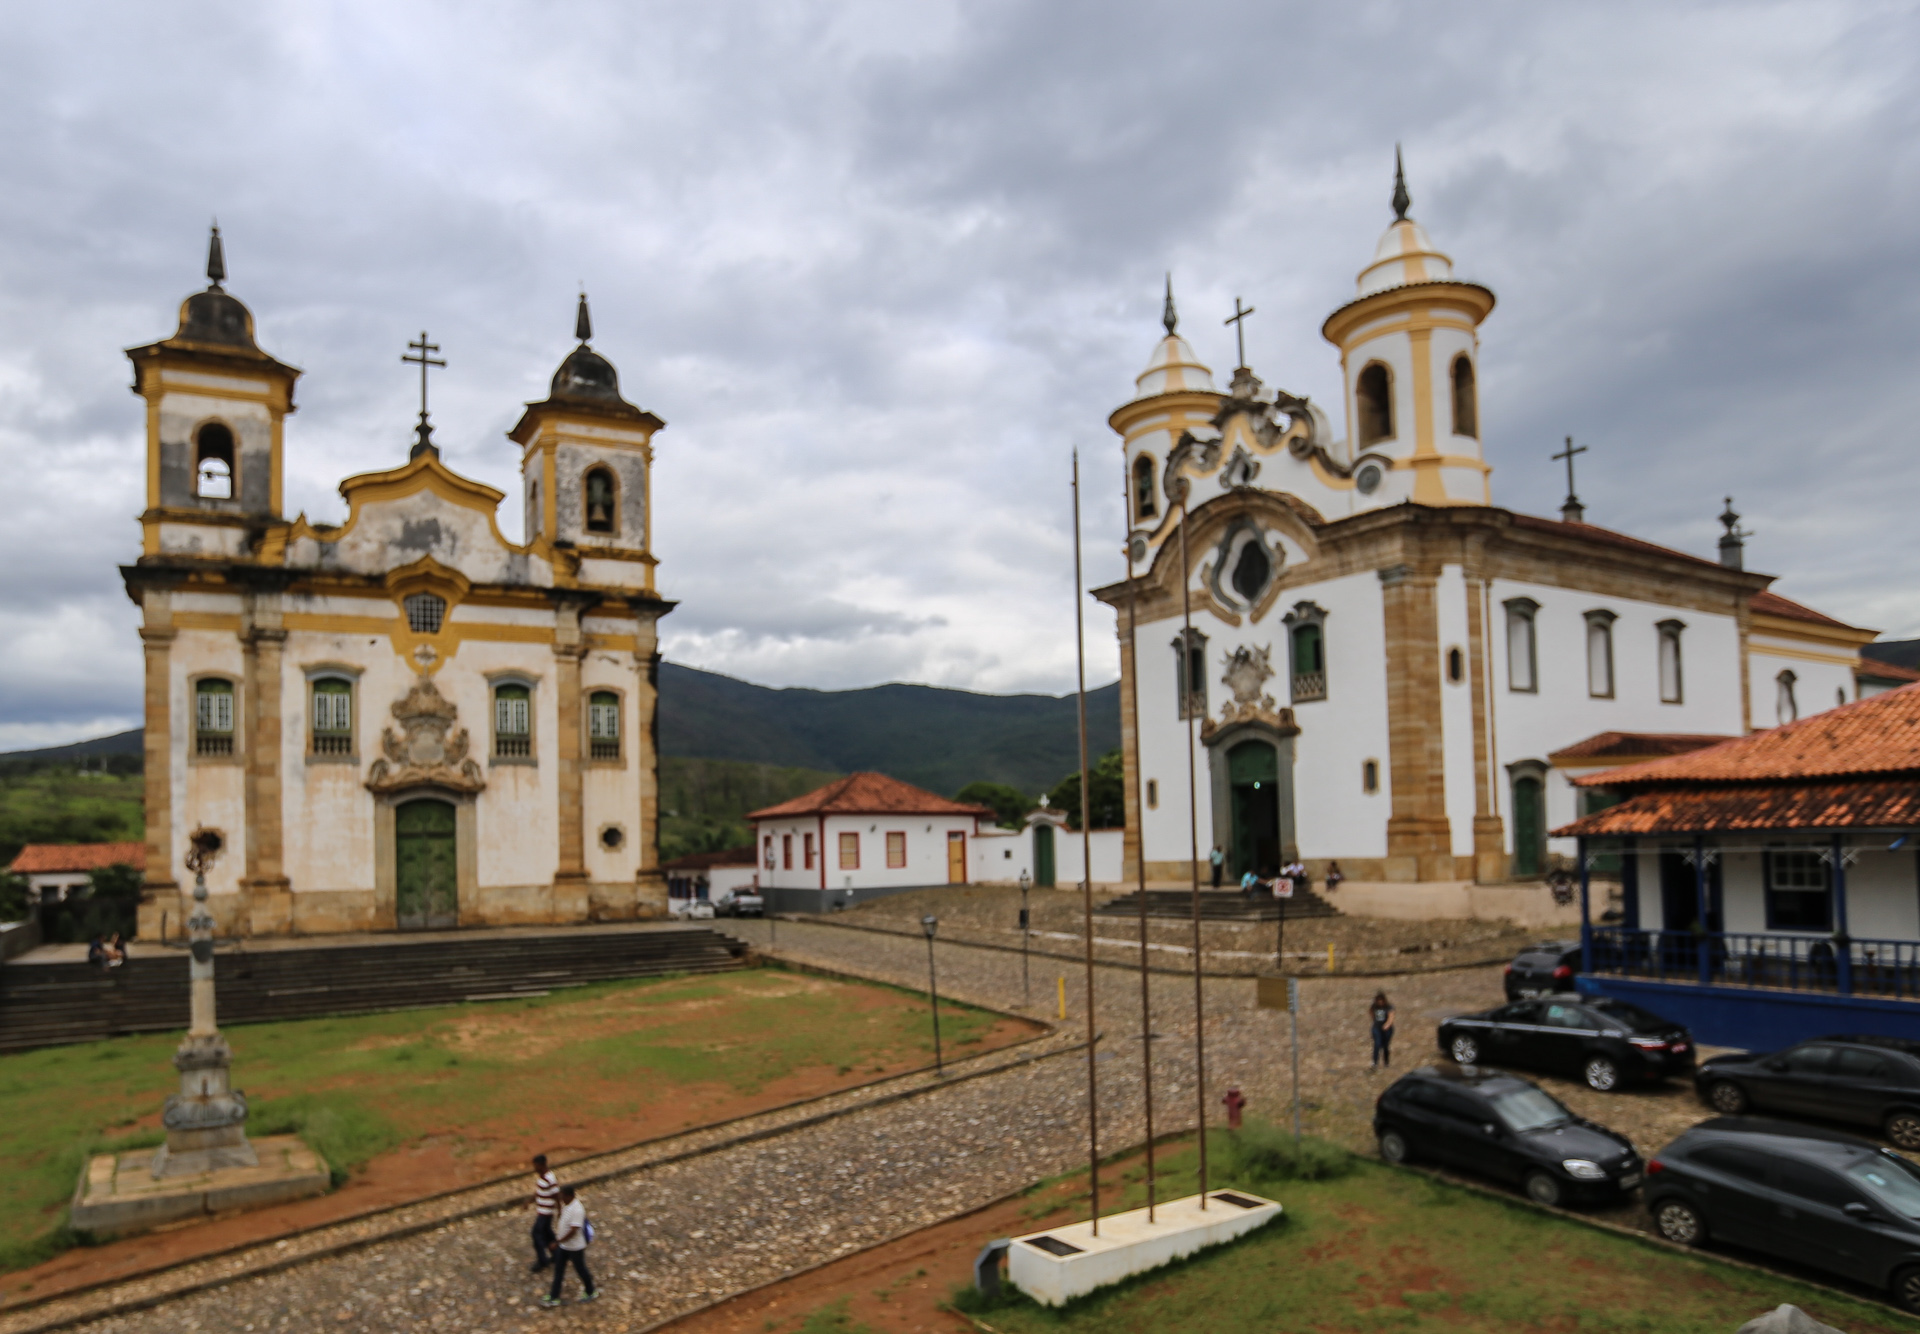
point(674, 1236)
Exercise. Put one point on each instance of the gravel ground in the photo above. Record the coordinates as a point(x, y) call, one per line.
point(674, 1237)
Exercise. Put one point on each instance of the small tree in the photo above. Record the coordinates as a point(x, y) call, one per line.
point(14, 905)
point(110, 904)
point(1108, 794)
point(1009, 804)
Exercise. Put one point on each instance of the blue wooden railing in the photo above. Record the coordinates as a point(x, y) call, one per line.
point(1832, 964)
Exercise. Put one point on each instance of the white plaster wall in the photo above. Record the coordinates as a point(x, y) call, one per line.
point(999, 856)
point(1816, 684)
point(390, 533)
point(1335, 817)
point(610, 795)
point(517, 816)
point(1883, 895)
point(195, 539)
point(209, 792)
point(1163, 736)
point(926, 850)
point(326, 810)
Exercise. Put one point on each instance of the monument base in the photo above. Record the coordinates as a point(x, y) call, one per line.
point(118, 1193)
point(1055, 1266)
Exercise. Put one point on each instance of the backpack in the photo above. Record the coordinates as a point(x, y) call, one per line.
point(586, 1231)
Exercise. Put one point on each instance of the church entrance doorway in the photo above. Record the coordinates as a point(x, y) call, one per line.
point(1043, 873)
point(956, 857)
point(1529, 827)
point(425, 865)
point(1253, 773)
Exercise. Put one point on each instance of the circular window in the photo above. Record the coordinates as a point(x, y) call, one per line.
point(1368, 479)
point(612, 837)
point(1252, 571)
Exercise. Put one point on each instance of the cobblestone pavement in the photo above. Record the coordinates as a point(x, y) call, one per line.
point(674, 1237)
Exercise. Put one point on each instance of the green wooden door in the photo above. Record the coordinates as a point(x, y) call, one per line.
point(426, 868)
point(1253, 771)
point(1043, 856)
point(1529, 827)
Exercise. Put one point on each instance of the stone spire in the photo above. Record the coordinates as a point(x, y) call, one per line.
point(582, 320)
point(1168, 315)
point(1733, 542)
point(1402, 201)
point(216, 261)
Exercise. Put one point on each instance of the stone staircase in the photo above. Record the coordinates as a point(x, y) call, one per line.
point(1219, 905)
point(44, 1004)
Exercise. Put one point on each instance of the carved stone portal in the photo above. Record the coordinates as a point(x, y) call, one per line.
point(429, 751)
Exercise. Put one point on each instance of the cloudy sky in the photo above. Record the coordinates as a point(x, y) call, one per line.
point(882, 266)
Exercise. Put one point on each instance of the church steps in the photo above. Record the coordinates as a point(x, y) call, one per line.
point(47, 1004)
point(1219, 906)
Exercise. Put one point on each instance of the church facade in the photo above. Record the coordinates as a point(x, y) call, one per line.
point(404, 721)
point(1361, 658)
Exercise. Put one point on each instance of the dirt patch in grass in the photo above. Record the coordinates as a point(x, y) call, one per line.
point(424, 1101)
point(1377, 1249)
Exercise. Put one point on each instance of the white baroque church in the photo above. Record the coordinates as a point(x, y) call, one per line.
point(1383, 667)
point(404, 720)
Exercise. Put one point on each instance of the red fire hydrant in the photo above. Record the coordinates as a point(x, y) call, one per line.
point(1234, 1102)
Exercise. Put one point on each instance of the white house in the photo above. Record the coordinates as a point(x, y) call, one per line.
point(862, 837)
point(711, 875)
point(54, 871)
point(1047, 852)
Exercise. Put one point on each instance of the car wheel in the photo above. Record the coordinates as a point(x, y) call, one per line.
point(1393, 1147)
point(1727, 1097)
point(1678, 1221)
point(1543, 1189)
point(1603, 1076)
point(1903, 1128)
point(1906, 1289)
point(1465, 1050)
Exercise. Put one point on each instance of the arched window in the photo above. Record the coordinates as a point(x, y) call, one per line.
point(1521, 656)
point(603, 725)
point(1670, 682)
point(213, 717)
point(1190, 672)
point(1144, 505)
point(332, 716)
point(1600, 654)
point(1785, 707)
point(213, 462)
point(1307, 652)
point(425, 613)
point(1373, 401)
point(1466, 406)
point(512, 721)
point(600, 507)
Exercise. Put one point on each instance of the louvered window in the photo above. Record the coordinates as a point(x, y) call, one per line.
point(213, 718)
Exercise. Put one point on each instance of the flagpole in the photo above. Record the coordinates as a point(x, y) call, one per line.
point(1086, 863)
point(1140, 861)
point(1193, 844)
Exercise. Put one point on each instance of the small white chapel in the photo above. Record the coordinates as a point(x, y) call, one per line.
point(1362, 657)
point(404, 721)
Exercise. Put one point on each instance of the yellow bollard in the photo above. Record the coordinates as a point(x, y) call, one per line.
point(1063, 995)
point(1329, 956)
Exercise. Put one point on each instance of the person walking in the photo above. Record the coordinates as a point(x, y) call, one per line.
point(1381, 1015)
point(546, 1199)
point(1218, 860)
point(570, 1247)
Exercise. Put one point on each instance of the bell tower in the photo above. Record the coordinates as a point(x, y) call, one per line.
point(216, 412)
point(586, 463)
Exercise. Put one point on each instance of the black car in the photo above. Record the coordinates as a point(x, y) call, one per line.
point(1868, 1081)
point(1818, 1197)
point(1504, 1127)
point(1542, 970)
point(1603, 1041)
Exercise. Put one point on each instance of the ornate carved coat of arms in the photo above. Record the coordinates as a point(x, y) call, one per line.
point(427, 750)
point(1248, 671)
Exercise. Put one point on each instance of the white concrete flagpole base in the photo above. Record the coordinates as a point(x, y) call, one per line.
point(1055, 1266)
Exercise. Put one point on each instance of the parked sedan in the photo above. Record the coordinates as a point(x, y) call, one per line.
point(1504, 1127)
point(1542, 970)
point(1864, 1080)
point(1603, 1041)
point(1813, 1196)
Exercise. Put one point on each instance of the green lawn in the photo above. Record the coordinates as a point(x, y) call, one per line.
point(592, 1068)
point(1380, 1249)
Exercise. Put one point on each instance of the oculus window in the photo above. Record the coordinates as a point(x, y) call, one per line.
point(213, 717)
point(332, 716)
point(513, 721)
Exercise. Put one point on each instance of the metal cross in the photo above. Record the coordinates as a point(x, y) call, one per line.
point(1237, 320)
point(424, 430)
point(1568, 454)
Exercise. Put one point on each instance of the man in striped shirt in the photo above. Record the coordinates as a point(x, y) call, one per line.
point(546, 1199)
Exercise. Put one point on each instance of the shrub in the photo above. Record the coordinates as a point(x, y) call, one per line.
point(1260, 1151)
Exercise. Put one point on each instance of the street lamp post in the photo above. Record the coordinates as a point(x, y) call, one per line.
point(1026, 982)
point(930, 924)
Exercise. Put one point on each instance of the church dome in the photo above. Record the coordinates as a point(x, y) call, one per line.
point(586, 377)
point(1172, 368)
point(216, 317)
point(1405, 255)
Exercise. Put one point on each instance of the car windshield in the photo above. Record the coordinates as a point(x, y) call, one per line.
point(1529, 1109)
point(1892, 1180)
point(1631, 1015)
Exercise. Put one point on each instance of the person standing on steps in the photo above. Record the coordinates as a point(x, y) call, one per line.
point(1334, 876)
point(1380, 1013)
point(546, 1199)
point(1218, 860)
point(571, 1248)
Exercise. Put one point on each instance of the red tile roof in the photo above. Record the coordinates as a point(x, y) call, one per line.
point(1607, 537)
point(869, 794)
point(1875, 669)
point(1876, 736)
point(54, 858)
point(1772, 604)
point(1636, 745)
point(1858, 804)
point(704, 861)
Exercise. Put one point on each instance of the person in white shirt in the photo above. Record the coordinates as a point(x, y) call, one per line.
point(546, 1200)
point(570, 1247)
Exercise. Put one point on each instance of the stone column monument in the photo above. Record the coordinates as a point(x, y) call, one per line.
point(206, 1119)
